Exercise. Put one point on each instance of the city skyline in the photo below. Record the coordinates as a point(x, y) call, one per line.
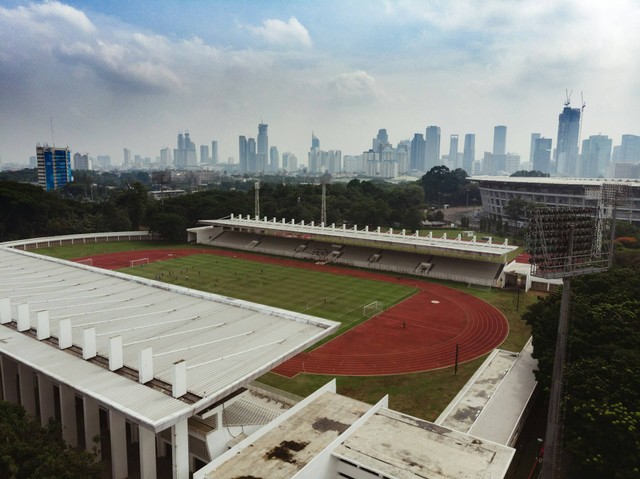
point(131, 76)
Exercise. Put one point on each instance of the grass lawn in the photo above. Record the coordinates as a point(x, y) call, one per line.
point(90, 249)
point(423, 395)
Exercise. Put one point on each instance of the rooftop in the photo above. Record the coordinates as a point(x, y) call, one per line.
point(225, 342)
point(554, 180)
point(400, 446)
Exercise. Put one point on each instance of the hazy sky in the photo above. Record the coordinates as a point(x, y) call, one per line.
point(133, 74)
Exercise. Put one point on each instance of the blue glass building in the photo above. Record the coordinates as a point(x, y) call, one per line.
point(54, 167)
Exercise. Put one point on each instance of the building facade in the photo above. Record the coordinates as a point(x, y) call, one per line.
point(54, 167)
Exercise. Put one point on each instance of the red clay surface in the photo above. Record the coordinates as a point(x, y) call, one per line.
point(418, 334)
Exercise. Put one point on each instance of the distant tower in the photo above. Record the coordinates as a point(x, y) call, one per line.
point(214, 152)
point(567, 143)
point(274, 159)
point(262, 153)
point(596, 155)
point(417, 153)
point(204, 153)
point(315, 143)
point(542, 155)
point(127, 157)
point(243, 159)
point(252, 164)
point(453, 151)
point(432, 147)
point(54, 167)
point(500, 140)
point(469, 153)
point(532, 148)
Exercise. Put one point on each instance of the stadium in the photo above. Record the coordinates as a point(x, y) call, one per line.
point(162, 365)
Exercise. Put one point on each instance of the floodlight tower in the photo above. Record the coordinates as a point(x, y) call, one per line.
point(323, 212)
point(257, 200)
point(565, 243)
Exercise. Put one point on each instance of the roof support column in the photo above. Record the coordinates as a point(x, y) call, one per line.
point(180, 449)
point(47, 404)
point(91, 413)
point(118, 433)
point(161, 446)
point(9, 380)
point(147, 453)
point(27, 389)
point(68, 415)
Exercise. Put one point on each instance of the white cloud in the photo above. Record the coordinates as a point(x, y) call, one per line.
point(279, 33)
point(355, 87)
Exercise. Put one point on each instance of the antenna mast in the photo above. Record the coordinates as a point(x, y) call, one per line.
point(53, 142)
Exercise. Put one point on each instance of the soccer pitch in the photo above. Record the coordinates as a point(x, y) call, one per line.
point(330, 296)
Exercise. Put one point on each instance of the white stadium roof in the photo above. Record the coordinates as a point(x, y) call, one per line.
point(379, 237)
point(225, 342)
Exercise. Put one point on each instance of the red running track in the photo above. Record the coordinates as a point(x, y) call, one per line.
point(418, 334)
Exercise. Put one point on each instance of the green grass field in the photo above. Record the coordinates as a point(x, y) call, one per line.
point(423, 395)
point(326, 295)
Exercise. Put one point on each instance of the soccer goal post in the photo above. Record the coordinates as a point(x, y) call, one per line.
point(88, 261)
point(138, 262)
point(371, 308)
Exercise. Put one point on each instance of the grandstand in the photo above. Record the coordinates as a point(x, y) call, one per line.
point(453, 259)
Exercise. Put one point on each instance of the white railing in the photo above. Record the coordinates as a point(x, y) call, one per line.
point(49, 241)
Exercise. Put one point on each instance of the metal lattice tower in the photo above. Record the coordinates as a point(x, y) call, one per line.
point(257, 200)
point(323, 214)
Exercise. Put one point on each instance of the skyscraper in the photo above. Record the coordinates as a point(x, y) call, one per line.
point(500, 140)
point(126, 159)
point(262, 153)
point(567, 143)
point(469, 153)
point(274, 159)
point(596, 155)
point(243, 158)
point(532, 147)
point(252, 155)
point(204, 153)
point(542, 155)
point(629, 149)
point(54, 166)
point(315, 142)
point(417, 153)
point(81, 162)
point(432, 147)
point(185, 155)
point(214, 152)
point(453, 151)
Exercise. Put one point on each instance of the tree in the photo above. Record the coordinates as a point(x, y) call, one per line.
point(602, 392)
point(28, 451)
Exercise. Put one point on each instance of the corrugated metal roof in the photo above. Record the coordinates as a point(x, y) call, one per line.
point(225, 342)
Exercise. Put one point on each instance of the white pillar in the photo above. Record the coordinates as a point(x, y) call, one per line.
point(24, 321)
point(179, 379)
point(27, 389)
point(43, 328)
point(91, 413)
point(68, 415)
point(47, 404)
point(147, 453)
point(161, 448)
point(5, 310)
point(180, 449)
point(9, 380)
point(118, 432)
point(115, 353)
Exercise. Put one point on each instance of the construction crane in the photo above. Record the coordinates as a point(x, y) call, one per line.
point(568, 93)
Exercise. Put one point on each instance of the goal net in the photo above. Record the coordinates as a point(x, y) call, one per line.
point(372, 308)
point(138, 262)
point(88, 261)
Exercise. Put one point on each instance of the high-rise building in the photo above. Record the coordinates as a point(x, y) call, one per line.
point(104, 161)
point(532, 147)
point(204, 154)
point(381, 140)
point(214, 152)
point(165, 157)
point(567, 143)
point(126, 159)
point(252, 164)
point(596, 155)
point(54, 166)
point(469, 153)
point(432, 147)
point(81, 162)
point(243, 157)
point(417, 158)
point(185, 155)
point(274, 159)
point(500, 140)
point(453, 151)
point(542, 155)
point(315, 143)
point(262, 153)
point(629, 149)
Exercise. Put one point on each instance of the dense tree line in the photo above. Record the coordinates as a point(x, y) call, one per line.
point(28, 451)
point(602, 389)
